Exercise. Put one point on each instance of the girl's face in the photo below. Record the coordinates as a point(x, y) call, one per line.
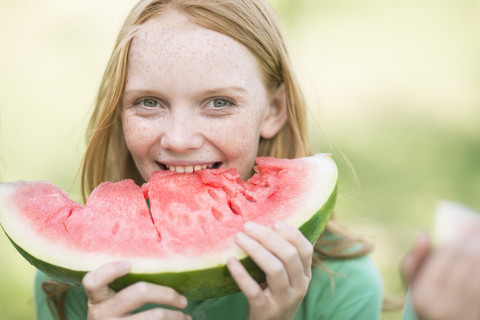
point(195, 99)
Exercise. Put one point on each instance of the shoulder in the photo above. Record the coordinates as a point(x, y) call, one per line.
point(359, 272)
point(347, 289)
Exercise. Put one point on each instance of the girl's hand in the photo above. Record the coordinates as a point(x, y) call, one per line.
point(285, 256)
point(445, 283)
point(104, 303)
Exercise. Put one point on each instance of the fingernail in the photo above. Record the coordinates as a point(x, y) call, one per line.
point(279, 225)
point(233, 264)
point(240, 236)
point(231, 260)
point(183, 301)
point(250, 226)
point(124, 265)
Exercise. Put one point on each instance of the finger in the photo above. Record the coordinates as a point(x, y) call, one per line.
point(298, 240)
point(467, 260)
point(431, 287)
point(250, 288)
point(276, 274)
point(96, 282)
point(140, 293)
point(160, 314)
point(282, 248)
point(472, 290)
point(410, 265)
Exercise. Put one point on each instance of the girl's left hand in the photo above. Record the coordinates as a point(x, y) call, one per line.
point(285, 256)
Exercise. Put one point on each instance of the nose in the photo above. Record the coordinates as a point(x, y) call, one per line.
point(181, 134)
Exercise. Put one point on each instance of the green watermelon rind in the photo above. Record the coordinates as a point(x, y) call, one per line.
point(195, 285)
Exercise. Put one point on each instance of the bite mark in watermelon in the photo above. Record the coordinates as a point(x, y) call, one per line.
point(176, 230)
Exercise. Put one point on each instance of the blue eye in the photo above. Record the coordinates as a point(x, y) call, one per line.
point(220, 103)
point(149, 103)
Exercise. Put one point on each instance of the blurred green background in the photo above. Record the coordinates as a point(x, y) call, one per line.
point(393, 88)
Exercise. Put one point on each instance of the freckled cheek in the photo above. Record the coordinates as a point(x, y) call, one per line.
point(237, 139)
point(246, 140)
point(138, 137)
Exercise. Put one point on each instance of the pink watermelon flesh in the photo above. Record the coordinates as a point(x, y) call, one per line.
point(176, 230)
point(113, 213)
point(45, 205)
point(189, 213)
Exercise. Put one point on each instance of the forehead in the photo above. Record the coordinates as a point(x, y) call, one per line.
point(171, 43)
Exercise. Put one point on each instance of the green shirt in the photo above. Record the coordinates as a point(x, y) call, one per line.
point(408, 312)
point(352, 291)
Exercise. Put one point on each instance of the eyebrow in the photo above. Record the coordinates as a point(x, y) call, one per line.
point(214, 91)
point(240, 90)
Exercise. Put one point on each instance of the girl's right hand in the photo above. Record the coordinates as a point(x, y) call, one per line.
point(104, 303)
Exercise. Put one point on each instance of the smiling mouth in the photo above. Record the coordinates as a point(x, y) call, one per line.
point(188, 168)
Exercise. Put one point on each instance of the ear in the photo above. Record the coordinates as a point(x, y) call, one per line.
point(276, 114)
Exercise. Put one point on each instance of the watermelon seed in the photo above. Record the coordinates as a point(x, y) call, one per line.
point(115, 228)
point(217, 214)
point(234, 207)
point(203, 223)
point(213, 194)
point(248, 196)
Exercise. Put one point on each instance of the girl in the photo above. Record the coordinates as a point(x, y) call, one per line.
point(197, 84)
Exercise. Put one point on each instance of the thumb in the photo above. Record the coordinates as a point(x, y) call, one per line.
point(413, 261)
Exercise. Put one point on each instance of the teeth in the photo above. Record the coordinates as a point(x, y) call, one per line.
point(180, 169)
point(189, 169)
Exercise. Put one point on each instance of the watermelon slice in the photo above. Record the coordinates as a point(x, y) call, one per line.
point(176, 230)
point(454, 221)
